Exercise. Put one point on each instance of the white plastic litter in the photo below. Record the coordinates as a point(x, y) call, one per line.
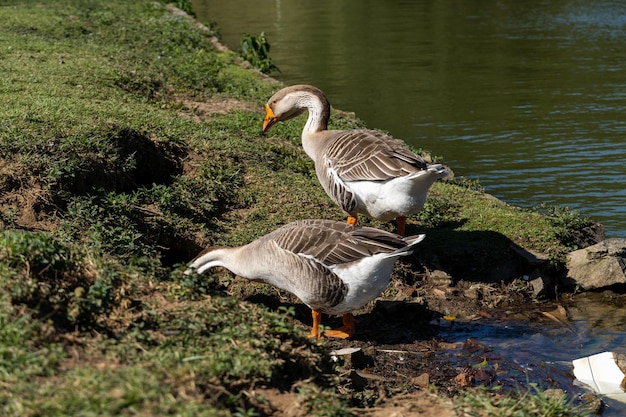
point(345, 351)
point(601, 373)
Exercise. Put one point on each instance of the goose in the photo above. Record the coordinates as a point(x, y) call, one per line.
point(332, 267)
point(363, 171)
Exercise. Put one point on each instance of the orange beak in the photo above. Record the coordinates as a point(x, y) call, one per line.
point(270, 119)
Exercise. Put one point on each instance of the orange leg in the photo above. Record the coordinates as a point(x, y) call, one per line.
point(401, 222)
point(345, 331)
point(317, 318)
point(352, 220)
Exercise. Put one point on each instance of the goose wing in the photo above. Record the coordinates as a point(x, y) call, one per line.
point(368, 155)
point(333, 243)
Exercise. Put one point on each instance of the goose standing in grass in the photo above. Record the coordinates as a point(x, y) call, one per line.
point(332, 267)
point(363, 171)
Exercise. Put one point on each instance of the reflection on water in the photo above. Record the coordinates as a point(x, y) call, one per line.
point(529, 97)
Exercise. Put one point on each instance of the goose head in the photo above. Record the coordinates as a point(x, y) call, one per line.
point(209, 258)
point(292, 101)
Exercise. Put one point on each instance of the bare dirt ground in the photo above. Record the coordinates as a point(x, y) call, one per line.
point(420, 403)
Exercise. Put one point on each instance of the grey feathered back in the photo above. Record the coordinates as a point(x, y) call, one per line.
point(333, 243)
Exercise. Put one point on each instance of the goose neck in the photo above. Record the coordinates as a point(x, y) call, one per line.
point(319, 112)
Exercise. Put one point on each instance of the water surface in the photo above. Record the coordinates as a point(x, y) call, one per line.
point(542, 349)
point(528, 97)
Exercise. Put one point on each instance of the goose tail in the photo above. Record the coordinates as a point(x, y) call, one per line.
point(411, 242)
point(438, 169)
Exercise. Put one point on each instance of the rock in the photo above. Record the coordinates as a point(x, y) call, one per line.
point(539, 287)
point(474, 346)
point(483, 376)
point(587, 236)
point(465, 379)
point(620, 358)
point(598, 266)
point(439, 277)
point(591, 403)
point(542, 283)
point(554, 393)
point(421, 381)
point(473, 293)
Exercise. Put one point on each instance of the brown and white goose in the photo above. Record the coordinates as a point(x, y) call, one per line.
point(363, 171)
point(332, 267)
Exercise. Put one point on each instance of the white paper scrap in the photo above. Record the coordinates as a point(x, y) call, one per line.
point(601, 373)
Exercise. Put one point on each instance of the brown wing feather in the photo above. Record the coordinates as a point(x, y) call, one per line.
point(333, 242)
point(360, 155)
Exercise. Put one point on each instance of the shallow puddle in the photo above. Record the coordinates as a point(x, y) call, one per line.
point(539, 345)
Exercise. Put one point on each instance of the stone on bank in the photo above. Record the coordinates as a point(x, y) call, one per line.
point(598, 266)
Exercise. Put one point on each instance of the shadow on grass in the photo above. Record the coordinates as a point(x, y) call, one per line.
point(478, 256)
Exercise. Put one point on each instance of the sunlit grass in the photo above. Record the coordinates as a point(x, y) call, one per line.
point(534, 402)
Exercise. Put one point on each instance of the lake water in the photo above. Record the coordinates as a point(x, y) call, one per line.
point(529, 96)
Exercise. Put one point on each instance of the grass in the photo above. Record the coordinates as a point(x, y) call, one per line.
point(109, 183)
point(533, 402)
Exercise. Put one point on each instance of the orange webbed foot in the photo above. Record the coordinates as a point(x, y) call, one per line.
point(346, 331)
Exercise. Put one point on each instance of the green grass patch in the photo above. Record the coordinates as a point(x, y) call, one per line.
point(534, 402)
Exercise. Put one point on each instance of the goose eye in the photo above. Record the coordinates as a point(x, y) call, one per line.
point(273, 101)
